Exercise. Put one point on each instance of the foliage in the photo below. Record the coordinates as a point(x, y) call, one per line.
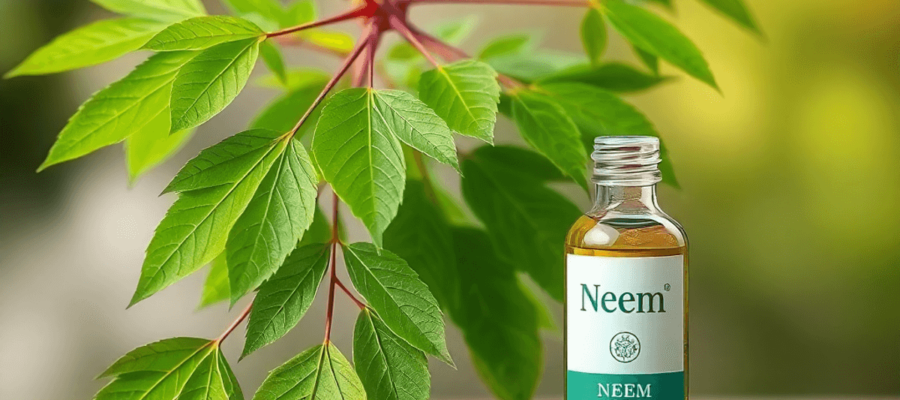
point(249, 205)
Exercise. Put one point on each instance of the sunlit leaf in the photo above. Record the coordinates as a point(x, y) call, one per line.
point(274, 221)
point(201, 33)
point(89, 45)
point(215, 287)
point(359, 154)
point(209, 82)
point(320, 373)
point(161, 10)
point(411, 121)
point(284, 299)
point(656, 36)
point(196, 227)
point(120, 109)
point(270, 10)
point(178, 368)
point(402, 300)
point(152, 144)
point(389, 368)
point(465, 94)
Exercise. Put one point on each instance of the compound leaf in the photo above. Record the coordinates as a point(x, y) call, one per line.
point(209, 82)
point(89, 45)
point(614, 77)
point(525, 219)
point(465, 94)
point(201, 33)
point(402, 300)
point(389, 368)
point(152, 145)
point(421, 236)
point(498, 319)
point(178, 368)
point(284, 299)
point(593, 35)
point(274, 221)
point(320, 373)
point(121, 109)
point(545, 126)
point(359, 154)
point(161, 10)
point(196, 227)
point(735, 10)
point(656, 36)
point(415, 124)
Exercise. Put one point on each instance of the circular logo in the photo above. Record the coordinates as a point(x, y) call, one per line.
point(624, 347)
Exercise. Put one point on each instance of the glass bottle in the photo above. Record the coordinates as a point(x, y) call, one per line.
point(626, 322)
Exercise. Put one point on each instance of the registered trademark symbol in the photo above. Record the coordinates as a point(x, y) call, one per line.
point(667, 287)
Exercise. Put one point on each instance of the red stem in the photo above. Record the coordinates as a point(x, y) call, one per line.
point(410, 37)
point(340, 284)
point(564, 3)
point(355, 13)
point(235, 323)
point(334, 80)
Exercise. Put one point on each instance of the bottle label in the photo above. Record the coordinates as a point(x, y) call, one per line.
point(625, 327)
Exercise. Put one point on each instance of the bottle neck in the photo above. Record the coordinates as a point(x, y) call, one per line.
point(625, 199)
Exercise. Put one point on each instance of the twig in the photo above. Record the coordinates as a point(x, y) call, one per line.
point(410, 37)
point(235, 323)
point(355, 13)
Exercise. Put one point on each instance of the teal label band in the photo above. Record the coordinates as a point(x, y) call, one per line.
point(663, 386)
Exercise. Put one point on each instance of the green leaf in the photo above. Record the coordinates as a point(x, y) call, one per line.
point(498, 319)
point(465, 94)
point(593, 35)
point(216, 288)
point(270, 10)
point(736, 11)
point(415, 124)
point(507, 45)
point(389, 368)
point(402, 300)
point(336, 41)
point(601, 113)
point(651, 61)
point(283, 300)
point(531, 66)
point(151, 145)
point(161, 10)
point(320, 373)
point(654, 35)
point(420, 236)
point(178, 368)
point(120, 110)
point(296, 79)
point(274, 221)
point(201, 33)
point(527, 221)
point(89, 45)
point(283, 113)
point(614, 77)
point(359, 154)
point(546, 127)
point(208, 83)
point(196, 227)
point(271, 55)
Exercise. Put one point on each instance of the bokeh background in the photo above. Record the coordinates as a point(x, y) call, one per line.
point(791, 196)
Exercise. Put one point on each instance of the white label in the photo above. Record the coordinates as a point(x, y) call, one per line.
point(625, 315)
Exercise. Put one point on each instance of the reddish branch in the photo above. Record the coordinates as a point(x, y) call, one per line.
point(365, 10)
point(451, 53)
point(234, 324)
point(401, 27)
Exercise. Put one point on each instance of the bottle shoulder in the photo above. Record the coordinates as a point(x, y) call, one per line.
point(613, 229)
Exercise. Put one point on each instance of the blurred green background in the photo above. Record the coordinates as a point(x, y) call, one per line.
point(791, 198)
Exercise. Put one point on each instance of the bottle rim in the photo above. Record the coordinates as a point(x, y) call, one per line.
point(626, 161)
